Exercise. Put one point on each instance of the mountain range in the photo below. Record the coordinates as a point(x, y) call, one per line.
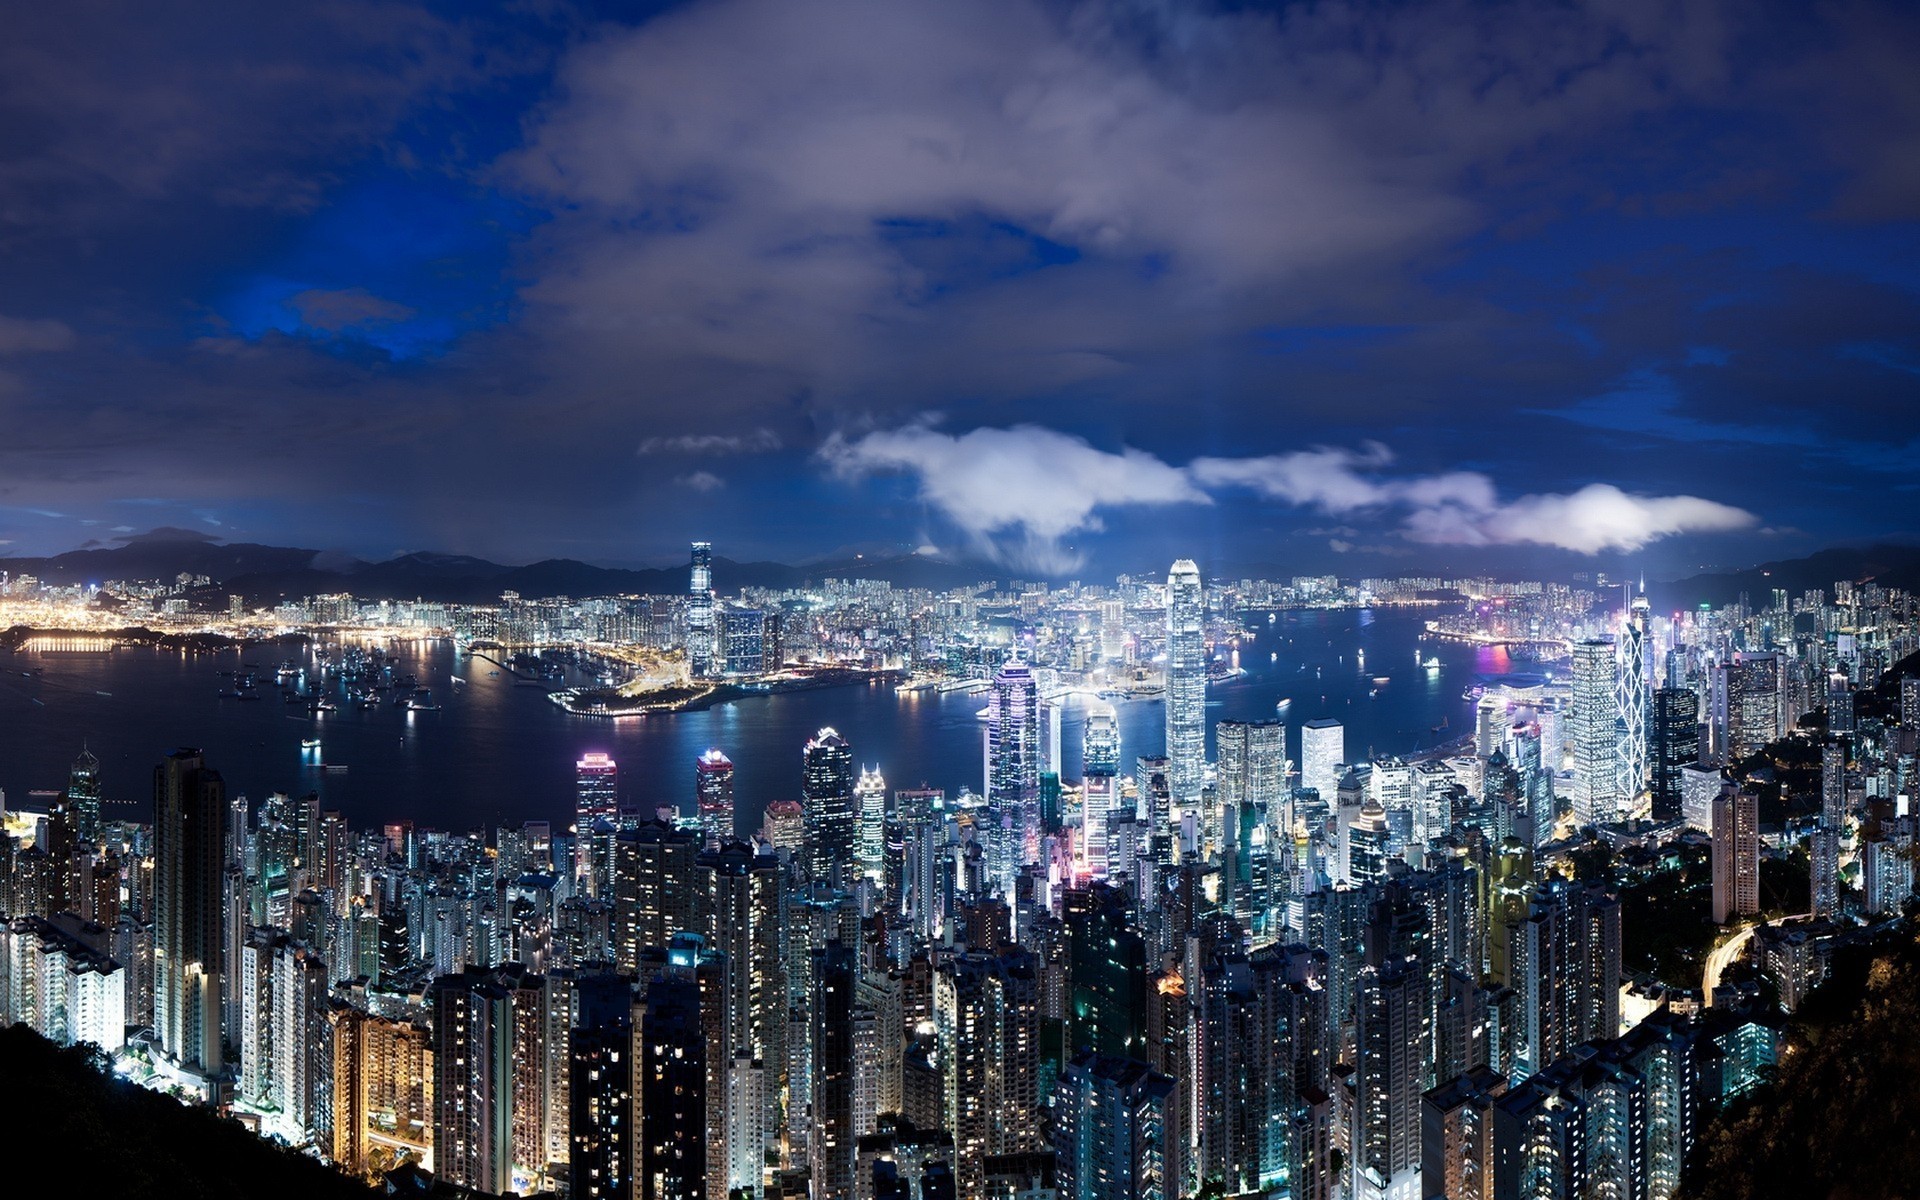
point(266, 574)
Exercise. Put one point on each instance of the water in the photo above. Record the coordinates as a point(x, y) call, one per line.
point(497, 753)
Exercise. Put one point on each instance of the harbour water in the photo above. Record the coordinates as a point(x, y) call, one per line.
point(496, 752)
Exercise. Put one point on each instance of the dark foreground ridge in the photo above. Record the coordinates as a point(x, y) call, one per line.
point(1838, 1122)
point(117, 1139)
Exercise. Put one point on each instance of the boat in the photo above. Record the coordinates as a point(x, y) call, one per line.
point(309, 743)
point(337, 768)
point(456, 679)
point(1382, 680)
point(1283, 704)
point(1432, 663)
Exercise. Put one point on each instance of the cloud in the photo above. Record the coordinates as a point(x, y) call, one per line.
point(702, 481)
point(334, 311)
point(19, 335)
point(1016, 493)
point(1463, 507)
point(760, 441)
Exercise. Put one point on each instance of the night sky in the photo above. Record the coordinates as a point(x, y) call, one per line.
point(1351, 287)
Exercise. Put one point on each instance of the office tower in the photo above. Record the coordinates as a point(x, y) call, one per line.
point(1823, 854)
point(600, 1079)
point(1632, 684)
point(743, 641)
point(189, 941)
point(831, 1149)
point(1013, 760)
point(1673, 742)
point(1186, 703)
point(1323, 750)
point(1699, 785)
point(1753, 703)
point(1111, 1130)
point(473, 1069)
point(700, 631)
point(596, 792)
point(654, 889)
point(1253, 771)
point(1367, 845)
point(382, 1090)
point(1597, 798)
point(1100, 768)
point(1910, 701)
point(1563, 963)
point(713, 797)
point(83, 796)
point(827, 791)
point(870, 840)
point(1736, 854)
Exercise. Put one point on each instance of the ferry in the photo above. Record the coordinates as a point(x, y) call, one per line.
point(309, 743)
point(1284, 703)
point(1432, 663)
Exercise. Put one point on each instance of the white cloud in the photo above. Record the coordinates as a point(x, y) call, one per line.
point(1015, 492)
point(702, 481)
point(759, 441)
point(1018, 492)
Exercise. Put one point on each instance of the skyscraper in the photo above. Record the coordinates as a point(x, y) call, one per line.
point(1753, 703)
point(1013, 759)
point(700, 635)
point(1673, 741)
point(1186, 704)
point(473, 1062)
point(1322, 749)
point(1597, 798)
point(1100, 762)
point(83, 796)
point(827, 792)
point(595, 789)
point(1111, 1130)
point(1631, 691)
point(1736, 854)
point(600, 1082)
point(189, 943)
point(713, 793)
point(870, 836)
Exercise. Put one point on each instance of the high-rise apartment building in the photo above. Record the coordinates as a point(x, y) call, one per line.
point(189, 938)
point(713, 797)
point(827, 792)
point(1736, 854)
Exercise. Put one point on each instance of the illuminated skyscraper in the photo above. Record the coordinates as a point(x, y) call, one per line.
point(595, 789)
point(1100, 768)
point(189, 942)
point(600, 1083)
point(1736, 854)
point(700, 634)
point(1013, 760)
point(1631, 692)
point(1596, 735)
point(1111, 1130)
point(83, 796)
point(870, 839)
point(1753, 703)
point(1673, 741)
point(827, 792)
point(1186, 703)
point(1323, 747)
point(713, 793)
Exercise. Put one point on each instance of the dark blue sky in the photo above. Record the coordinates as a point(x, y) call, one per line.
point(1359, 287)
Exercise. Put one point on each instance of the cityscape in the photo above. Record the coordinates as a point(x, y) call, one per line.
point(1243, 955)
point(1000, 600)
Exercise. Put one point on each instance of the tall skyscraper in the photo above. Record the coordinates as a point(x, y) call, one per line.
point(713, 793)
point(700, 632)
point(1252, 771)
point(473, 1069)
point(1013, 760)
point(1111, 1130)
point(1673, 742)
point(600, 1081)
point(1736, 854)
point(1186, 703)
point(189, 939)
point(1100, 762)
point(1597, 798)
point(1631, 694)
point(1323, 747)
point(596, 780)
point(83, 796)
point(827, 792)
point(1753, 703)
point(870, 836)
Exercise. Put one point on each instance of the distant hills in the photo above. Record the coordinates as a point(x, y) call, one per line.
point(1887, 565)
point(266, 574)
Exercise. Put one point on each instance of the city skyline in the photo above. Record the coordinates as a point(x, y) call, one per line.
point(1525, 285)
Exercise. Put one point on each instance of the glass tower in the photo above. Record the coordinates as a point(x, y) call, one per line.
point(1186, 706)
